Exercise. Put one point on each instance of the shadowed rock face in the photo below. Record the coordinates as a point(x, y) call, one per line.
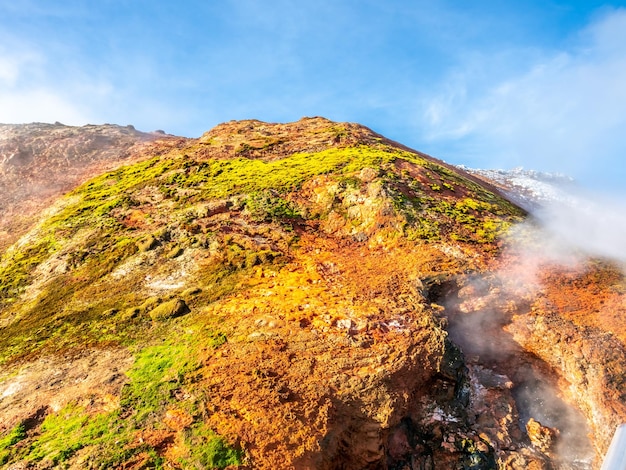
point(302, 295)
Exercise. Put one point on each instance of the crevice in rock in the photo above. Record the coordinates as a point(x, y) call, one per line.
point(501, 371)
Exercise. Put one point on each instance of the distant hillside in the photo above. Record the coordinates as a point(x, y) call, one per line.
point(39, 162)
point(527, 188)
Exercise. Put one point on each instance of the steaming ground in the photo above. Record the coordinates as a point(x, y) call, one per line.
point(565, 231)
point(478, 314)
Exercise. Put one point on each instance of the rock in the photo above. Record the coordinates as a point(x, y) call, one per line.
point(368, 174)
point(147, 244)
point(475, 304)
point(345, 324)
point(175, 252)
point(148, 304)
point(110, 312)
point(542, 437)
point(398, 446)
point(192, 291)
point(177, 420)
point(131, 313)
point(170, 309)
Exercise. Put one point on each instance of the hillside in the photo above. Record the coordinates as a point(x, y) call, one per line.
point(39, 162)
point(296, 296)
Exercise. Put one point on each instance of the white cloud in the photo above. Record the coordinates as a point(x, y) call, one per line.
point(28, 94)
point(9, 71)
point(39, 105)
point(22, 98)
point(15, 64)
point(566, 112)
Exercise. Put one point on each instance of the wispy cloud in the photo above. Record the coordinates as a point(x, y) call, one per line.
point(502, 95)
point(9, 70)
point(16, 107)
point(566, 112)
point(26, 95)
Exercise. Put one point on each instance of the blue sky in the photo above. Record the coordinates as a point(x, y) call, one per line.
point(499, 84)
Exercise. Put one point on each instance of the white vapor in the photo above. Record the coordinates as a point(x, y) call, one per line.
point(590, 225)
point(567, 230)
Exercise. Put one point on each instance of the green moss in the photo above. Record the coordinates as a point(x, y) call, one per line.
point(423, 229)
point(146, 244)
point(264, 182)
point(175, 252)
point(269, 206)
point(107, 436)
point(208, 450)
point(154, 375)
point(92, 203)
point(160, 369)
point(482, 218)
point(477, 221)
point(16, 266)
point(15, 435)
point(218, 179)
point(239, 258)
point(148, 305)
point(71, 429)
point(192, 291)
point(350, 182)
point(157, 371)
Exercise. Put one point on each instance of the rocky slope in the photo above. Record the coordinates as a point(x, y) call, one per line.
point(39, 162)
point(303, 295)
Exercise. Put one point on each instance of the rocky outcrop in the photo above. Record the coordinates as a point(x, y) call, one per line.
point(268, 141)
point(543, 338)
point(591, 365)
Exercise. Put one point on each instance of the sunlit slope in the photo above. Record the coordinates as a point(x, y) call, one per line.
point(93, 253)
point(257, 281)
point(40, 162)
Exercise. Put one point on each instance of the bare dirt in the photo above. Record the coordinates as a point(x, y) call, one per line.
point(37, 388)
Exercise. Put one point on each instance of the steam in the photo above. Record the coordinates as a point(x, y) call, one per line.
point(592, 225)
point(564, 232)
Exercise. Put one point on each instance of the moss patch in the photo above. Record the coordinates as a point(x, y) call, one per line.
point(17, 434)
point(110, 438)
point(170, 309)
